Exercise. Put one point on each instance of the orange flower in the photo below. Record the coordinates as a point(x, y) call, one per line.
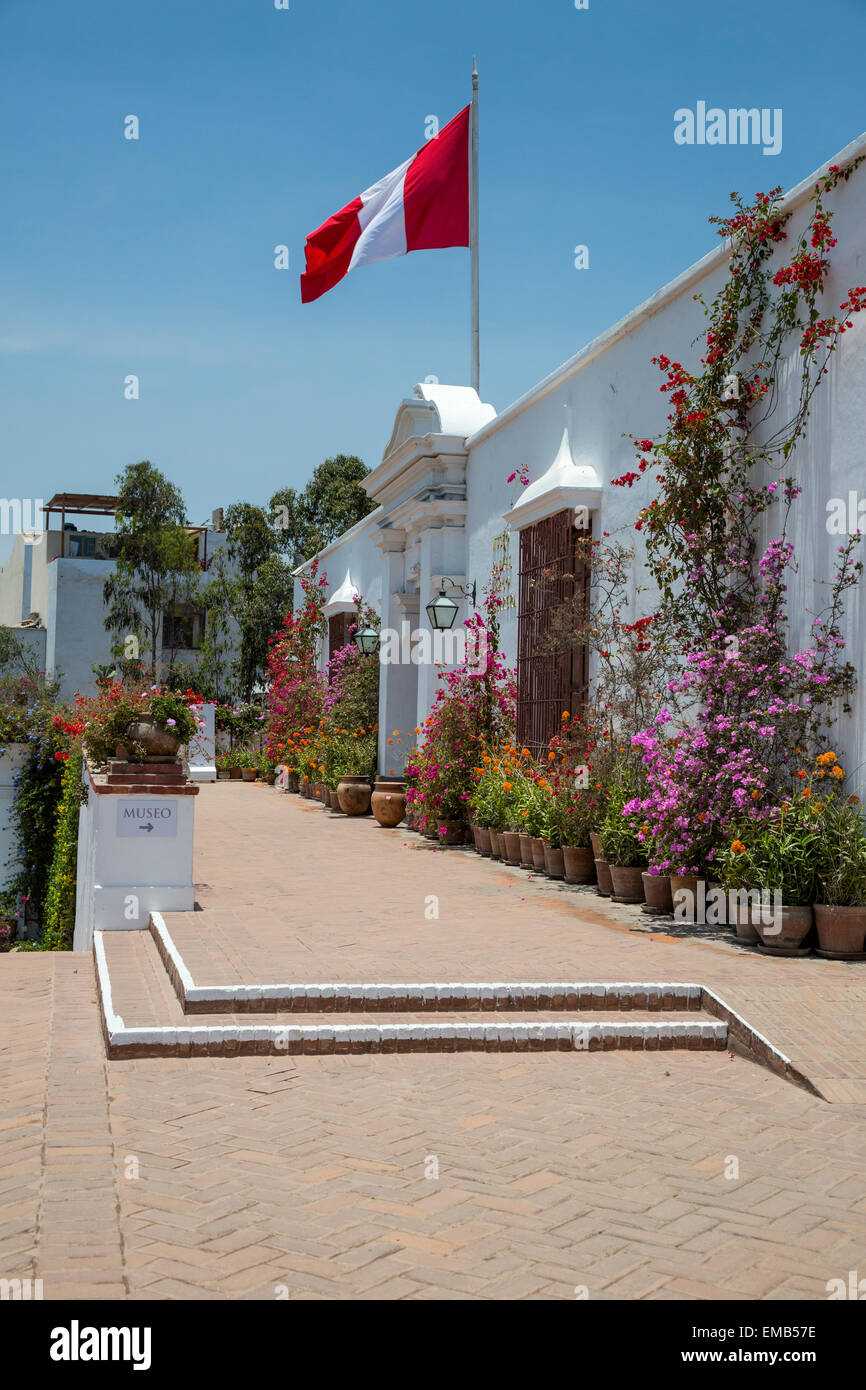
point(738, 847)
point(801, 774)
point(525, 753)
point(755, 795)
point(507, 786)
point(806, 792)
point(837, 773)
point(566, 714)
point(551, 757)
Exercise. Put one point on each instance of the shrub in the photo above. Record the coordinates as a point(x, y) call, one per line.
point(59, 918)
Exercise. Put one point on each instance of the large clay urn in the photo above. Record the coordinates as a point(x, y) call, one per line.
point(157, 743)
point(389, 801)
point(353, 794)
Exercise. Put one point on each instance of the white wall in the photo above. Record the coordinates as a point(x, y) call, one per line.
point(77, 639)
point(608, 395)
point(12, 759)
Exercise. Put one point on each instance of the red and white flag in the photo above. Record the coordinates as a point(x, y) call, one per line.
point(422, 205)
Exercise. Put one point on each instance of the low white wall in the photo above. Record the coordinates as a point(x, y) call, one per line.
point(125, 870)
point(202, 749)
point(12, 759)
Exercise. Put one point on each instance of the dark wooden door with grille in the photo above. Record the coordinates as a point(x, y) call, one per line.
point(552, 668)
point(338, 631)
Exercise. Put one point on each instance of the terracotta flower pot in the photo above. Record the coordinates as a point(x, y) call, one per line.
point(627, 883)
point(741, 917)
point(157, 743)
point(787, 932)
point(604, 882)
point(333, 797)
point(235, 774)
point(389, 802)
point(451, 832)
point(841, 930)
point(482, 840)
point(223, 774)
point(249, 774)
point(538, 860)
point(270, 778)
point(595, 842)
point(687, 883)
point(526, 859)
point(657, 891)
point(579, 864)
point(512, 847)
point(495, 846)
point(554, 861)
point(353, 794)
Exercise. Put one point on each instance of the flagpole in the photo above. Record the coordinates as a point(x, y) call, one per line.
point(473, 227)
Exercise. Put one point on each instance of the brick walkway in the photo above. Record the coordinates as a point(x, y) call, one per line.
point(683, 1176)
point(292, 892)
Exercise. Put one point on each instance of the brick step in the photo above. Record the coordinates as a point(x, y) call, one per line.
point(414, 997)
point(142, 1017)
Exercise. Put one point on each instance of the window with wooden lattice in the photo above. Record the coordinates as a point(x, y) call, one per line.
point(552, 664)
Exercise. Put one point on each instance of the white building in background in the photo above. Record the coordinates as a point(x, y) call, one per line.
point(51, 594)
point(445, 507)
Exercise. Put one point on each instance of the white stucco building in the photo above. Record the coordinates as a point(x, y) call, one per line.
point(445, 506)
point(51, 594)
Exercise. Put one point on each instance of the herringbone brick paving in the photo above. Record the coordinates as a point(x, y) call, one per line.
point(684, 1176)
point(244, 1178)
point(292, 892)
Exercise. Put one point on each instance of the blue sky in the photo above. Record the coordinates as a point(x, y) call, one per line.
point(155, 257)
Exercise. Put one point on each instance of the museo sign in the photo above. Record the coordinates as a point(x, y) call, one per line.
point(144, 817)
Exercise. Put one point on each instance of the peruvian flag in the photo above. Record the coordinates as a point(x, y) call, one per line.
point(421, 205)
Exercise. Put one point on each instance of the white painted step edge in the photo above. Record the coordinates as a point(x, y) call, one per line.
point(427, 990)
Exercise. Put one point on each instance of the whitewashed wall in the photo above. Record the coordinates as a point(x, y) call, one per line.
point(12, 759)
point(608, 395)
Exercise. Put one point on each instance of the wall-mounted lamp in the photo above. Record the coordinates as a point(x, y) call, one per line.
point(367, 640)
point(442, 610)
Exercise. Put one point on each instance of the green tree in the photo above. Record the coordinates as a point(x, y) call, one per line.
point(331, 503)
point(155, 564)
point(250, 590)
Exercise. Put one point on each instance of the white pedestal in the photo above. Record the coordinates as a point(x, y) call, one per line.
point(202, 749)
point(135, 856)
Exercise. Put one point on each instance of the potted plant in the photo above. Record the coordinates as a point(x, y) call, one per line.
point(554, 860)
point(770, 871)
point(840, 908)
point(621, 845)
point(578, 821)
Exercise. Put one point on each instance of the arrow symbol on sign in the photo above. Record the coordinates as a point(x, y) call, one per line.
point(147, 827)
